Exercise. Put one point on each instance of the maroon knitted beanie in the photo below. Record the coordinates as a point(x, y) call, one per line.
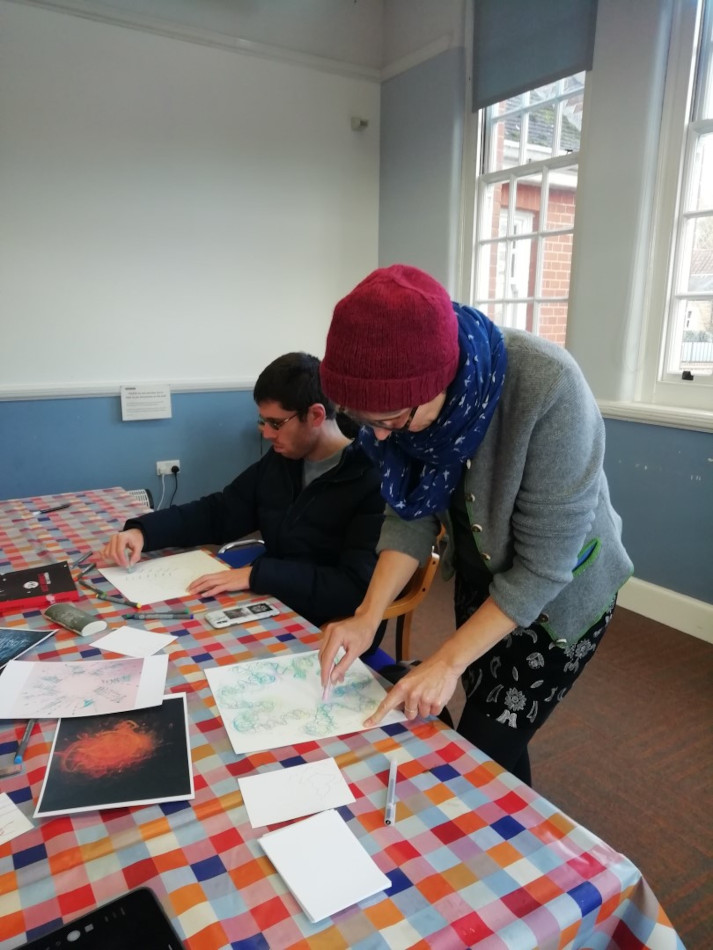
point(392, 343)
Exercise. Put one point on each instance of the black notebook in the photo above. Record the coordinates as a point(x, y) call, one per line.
point(37, 587)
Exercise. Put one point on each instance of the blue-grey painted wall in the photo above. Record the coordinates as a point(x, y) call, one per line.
point(58, 445)
point(661, 483)
point(422, 112)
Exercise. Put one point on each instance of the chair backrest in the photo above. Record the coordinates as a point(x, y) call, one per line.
point(416, 589)
point(142, 495)
point(241, 553)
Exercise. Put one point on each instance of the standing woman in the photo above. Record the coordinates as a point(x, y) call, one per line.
point(497, 435)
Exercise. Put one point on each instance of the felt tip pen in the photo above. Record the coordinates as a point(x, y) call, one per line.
point(158, 615)
point(47, 511)
point(81, 560)
point(390, 810)
point(22, 744)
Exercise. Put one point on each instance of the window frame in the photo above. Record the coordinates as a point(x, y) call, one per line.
point(655, 385)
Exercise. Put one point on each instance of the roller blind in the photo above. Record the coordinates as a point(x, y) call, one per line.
point(523, 44)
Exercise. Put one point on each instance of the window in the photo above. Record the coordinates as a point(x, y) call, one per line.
point(680, 371)
point(525, 204)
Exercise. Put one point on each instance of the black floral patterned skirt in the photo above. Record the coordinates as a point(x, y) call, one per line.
point(520, 680)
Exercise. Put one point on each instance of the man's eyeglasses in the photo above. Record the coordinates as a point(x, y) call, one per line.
point(275, 424)
point(387, 425)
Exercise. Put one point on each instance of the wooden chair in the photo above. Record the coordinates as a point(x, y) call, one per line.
point(409, 599)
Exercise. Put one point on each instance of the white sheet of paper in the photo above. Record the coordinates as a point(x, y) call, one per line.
point(300, 790)
point(133, 641)
point(12, 821)
point(270, 703)
point(324, 864)
point(50, 689)
point(162, 578)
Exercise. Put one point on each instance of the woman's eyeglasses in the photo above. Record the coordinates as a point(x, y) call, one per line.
point(387, 425)
point(275, 424)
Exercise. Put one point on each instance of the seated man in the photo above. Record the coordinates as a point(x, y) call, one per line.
point(314, 497)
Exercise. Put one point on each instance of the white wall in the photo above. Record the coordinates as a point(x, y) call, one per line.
point(172, 210)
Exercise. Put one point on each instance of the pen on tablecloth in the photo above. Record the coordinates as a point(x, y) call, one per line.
point(81, 560)
point(22, 744)
point(390, 810)
point(102, 596)
point(47, 511)
point(159, 615)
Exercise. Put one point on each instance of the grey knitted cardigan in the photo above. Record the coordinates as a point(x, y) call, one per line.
point(537, 499)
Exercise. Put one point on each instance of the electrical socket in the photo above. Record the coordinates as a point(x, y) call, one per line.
point(164, 468)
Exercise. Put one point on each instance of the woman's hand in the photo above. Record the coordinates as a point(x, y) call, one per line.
point(123, 548)
point(355, 634)
point(208, 585)
point(423, 692)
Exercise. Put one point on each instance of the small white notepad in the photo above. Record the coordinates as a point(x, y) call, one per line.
point(324, 864)
point(301, 790)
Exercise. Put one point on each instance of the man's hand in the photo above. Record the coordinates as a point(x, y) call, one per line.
point(423, 692)
point(355, 635)
point(208, 585)
point(123, 548)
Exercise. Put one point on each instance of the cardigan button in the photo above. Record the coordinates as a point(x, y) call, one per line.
point(543, 618)
point(486, 557)
point(470, 497)
point(562, 641)
point(467, 463)
point(477, 528)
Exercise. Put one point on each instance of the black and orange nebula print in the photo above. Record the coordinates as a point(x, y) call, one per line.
point(109, 751)
point(119, 759)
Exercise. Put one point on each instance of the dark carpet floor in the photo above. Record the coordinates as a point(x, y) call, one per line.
point(629, 753)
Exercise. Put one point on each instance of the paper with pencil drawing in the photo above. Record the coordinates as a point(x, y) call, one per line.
point(270, 703)
point(162, 578)
point(51, 689)
point(300, 790)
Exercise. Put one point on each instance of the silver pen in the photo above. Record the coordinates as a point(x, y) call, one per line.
point(390, 810)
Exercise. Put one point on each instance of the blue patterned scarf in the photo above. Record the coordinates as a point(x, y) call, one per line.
point(420, 470)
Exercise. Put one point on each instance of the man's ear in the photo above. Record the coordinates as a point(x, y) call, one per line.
point(317, 414)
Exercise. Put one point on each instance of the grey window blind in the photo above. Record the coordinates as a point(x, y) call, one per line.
point(523, 44)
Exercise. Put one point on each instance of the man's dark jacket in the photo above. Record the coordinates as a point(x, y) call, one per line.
point(320, 540)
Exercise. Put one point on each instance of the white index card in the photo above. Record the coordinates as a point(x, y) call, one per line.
point(284, 794)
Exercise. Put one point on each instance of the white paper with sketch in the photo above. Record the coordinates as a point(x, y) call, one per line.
point(270, 703)
point(50, 689)
point(12, 820)
point(324, 864)
point(162, 578)
point(284, 794)
point(133, 641)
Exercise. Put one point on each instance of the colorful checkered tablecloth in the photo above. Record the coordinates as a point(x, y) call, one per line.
point(475, 857)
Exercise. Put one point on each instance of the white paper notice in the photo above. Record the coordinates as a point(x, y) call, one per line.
point(162, 578)
point(324, 864)
point(133, 641)
point(49, 689)
point(12, 821)
point(145, 402)
point(266, 704)
point(300, 790)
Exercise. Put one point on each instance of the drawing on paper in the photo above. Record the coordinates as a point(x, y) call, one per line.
point(265, 704)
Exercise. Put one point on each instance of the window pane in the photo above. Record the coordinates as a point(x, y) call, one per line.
point(487, 273)
point(505, 143)
point(562, 195)
point(571, 124)
point(540, 133)
point(700, 189)
point(556, 266)
point(697, 267)
point(552, 322)
point(693, 350)
point(494, 210)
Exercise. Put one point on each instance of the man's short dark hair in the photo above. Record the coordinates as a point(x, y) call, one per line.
point(293, 381)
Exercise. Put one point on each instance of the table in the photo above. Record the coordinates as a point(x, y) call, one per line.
point(475, 856)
